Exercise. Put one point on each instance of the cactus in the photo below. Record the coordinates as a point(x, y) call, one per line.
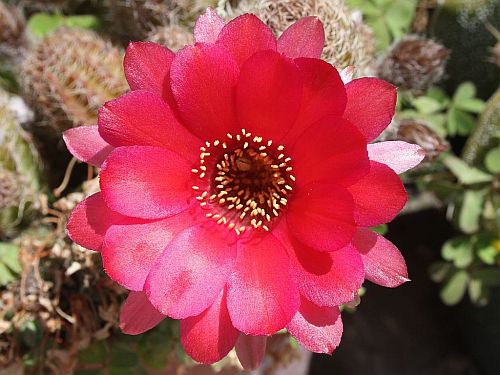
point(348, 41)
point(173, 36)
point(12, 36)
point(19, 166)
point(414, 63)
point(69, 75)
point(483, 135)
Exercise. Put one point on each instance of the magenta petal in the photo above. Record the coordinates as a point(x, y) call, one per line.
point(304, 38)
point(318, 329)
point(251, 350)
point(208, 27)
point(138, 315)
point(146, 182)
point(262, 296)
point(378, 197)
point(370, 105)
point(398, 155)
point(208, 337)
point(147, 66)
point(90, 220)
point(268, 94)
point(384, 264)
point(331, 151)
point(129, 251)
point(191, 272)
point(86, 144)
point(325, 278)
point(203, 79)
point(321, 216)
point(246, 35)
point(323, 94)
point(142, 118)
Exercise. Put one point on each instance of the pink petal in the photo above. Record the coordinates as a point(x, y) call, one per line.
point(90, 220)
point(138, 315)
point(384, 264)
point(321, 216)
point(203, 81)
point(146, 182)
point(331, 151)
point(147, 67)
point(129, 251)
point(323, 94)
point(86, 144)
point(318, 329)
point(208, 27)
point(251, 350)
point(268, 95)
point(191, 272)
point(262, 296)
point(208, 337)
point(398, 155)
point(304, 38)
point(142, 118)
point(325, 278)
point(246, 35)
point(378, 197)
point(370, 105)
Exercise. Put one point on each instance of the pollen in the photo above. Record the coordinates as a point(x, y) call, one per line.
point(246, 181)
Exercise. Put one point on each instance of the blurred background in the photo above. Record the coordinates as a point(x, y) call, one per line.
point(60, 60)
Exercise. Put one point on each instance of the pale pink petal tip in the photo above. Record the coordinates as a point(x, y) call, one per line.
point(250, 350)
point(318, 329)
point(347, 73)
point(398, 155)
point(208, 27)
point(86, 144)
point(384, 263)
point(304, 38)
point(138, 315)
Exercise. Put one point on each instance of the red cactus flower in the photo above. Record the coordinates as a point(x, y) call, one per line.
point(237, 188)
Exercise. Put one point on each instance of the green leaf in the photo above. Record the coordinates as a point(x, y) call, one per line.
point(94, 354)
point(41, 24)
point(438, 271)
point(459, 251)
point(380, 229)
point(466, 90)
point(459, 122)
point(398, 17)
point(492, 160)
point(31, 333)
point(466, 174)
point(439, 95)
point(478, 292)
point(470, 211)
point(489, 276)
point(454, 288)
point(83, 21)
point(426, 105)
point(487, 254)
point(10, 267)
point(471, 105)
point(382, 35)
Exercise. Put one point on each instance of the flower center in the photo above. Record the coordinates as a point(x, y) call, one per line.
point(246, 181)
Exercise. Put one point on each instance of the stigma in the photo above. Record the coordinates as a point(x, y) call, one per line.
point(245, 181)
